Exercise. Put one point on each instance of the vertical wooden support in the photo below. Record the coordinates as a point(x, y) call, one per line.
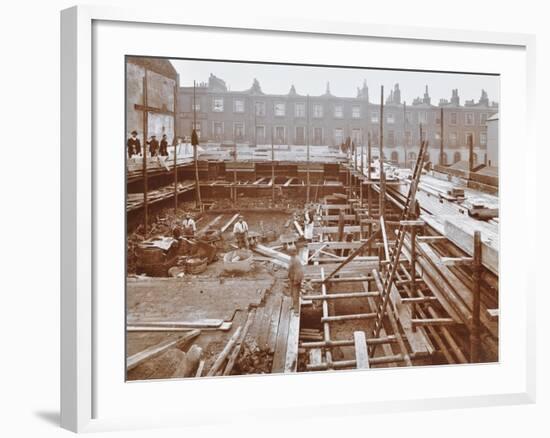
point(273, 173)
point(441, 139)
point(405, 132)
point(471, 153)
point(474, 330)
point(145, 177)
point(175, 142)
point(307, 146)
point(196, 152)
point(369, 191)
point(413, 273)
point(382, 193)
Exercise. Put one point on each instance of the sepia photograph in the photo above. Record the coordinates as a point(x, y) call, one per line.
point(293, 218)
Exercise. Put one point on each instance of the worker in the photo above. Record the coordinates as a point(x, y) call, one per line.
point(163, 151)
point(153, 146)
point(189, 227)
point(309, 214)
point(133, 145)
point(240, 230)
point(295, 277)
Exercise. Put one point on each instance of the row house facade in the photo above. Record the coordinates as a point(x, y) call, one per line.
point(255, 118)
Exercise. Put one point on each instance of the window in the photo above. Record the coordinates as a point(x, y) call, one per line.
point(338, 136)
point(317, 111)
point(260, 109)
point(300, 135)
point(260, 134)
point(422, 117)
point(374, 117)
point(483, 138)
point(300, 110)
point(395, 157)
point(456, 157)
point(238, 106)
point(468, 136)
point(391, 138)
point(444, 158)
point(408, 117)
point(356, 111)
point(280, 109)
point(469, 119)
point(238, 130)
point(453, 139)
point(483, 118)
point(338, 111)
point(279, 135)
point(318, 136)
point(390, 118)
point(218, 130)
point(412, 156)
point(217, 104)
point(196, 106)
point(453, 119)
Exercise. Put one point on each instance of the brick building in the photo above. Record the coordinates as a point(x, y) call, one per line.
point(255, 118)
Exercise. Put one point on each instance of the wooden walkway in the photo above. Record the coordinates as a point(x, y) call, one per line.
point(275, 329)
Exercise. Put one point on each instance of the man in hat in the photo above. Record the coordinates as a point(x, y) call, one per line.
point(295, 277)
point(133, 145)
point(153, 146)
point(240, 230)
point(164, 146)
point(189, 227)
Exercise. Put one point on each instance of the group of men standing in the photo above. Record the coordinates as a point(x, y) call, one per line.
point(155, 148)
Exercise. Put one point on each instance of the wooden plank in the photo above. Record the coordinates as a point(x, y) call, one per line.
point(200, 324)
point(299, 228)
point(131, 328)
point(315, 356)
point(224, 353)
point(235, 353)
point(279, 356)
point(291, 360)
point(432, 321)
point(200, 368)
point(274, 324)
point(154, 351)
point(417, 338)
point(462, 236)
point(263, 332)
point(361, 351)
point(269, 252)
point(229, 222)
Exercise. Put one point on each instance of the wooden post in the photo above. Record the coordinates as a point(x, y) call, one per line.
point(471, 153)
point(382, 176)
point(405, 132)
point(441, 139)
point(474, 330)
point(145, 177)
point(369, 191)
point(196, 152)
point(413, 272)
point(175, 141)
point(307, 146)
point(273, 169)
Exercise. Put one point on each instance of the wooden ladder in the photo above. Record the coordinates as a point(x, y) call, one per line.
point(396, 251)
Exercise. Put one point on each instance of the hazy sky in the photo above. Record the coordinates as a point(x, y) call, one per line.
point(277, 79)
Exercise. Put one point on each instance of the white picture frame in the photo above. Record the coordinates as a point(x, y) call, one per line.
point(80, 201)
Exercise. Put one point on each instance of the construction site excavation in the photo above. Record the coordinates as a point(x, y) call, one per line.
point(292, 232)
